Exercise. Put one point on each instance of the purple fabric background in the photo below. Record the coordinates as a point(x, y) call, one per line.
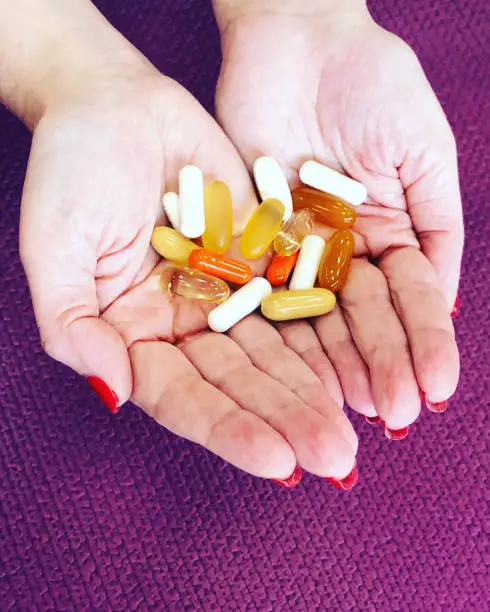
point(104, 513)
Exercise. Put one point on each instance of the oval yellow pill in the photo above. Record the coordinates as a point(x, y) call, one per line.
point(170, 244)
point(218, 211)
point(299, 304)
point(261, 229)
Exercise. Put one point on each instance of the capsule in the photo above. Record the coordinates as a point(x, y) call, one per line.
point(172, 245)
point(306, 269)
point(171, 206)
point(191, 198)
point(327, 209)
point(231, 270)
point(293, 232)
point(240, 304)
point(261, 229)
point(336, 261)
point(218, 213)
point(301, 304)
point(194, 285)
point(325, 179)
point(280, 268)
point(271, 183)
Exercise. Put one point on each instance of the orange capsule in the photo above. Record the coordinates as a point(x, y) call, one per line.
point(328, 209)
point(336, 261)
point(280, 268)
point(231, 270)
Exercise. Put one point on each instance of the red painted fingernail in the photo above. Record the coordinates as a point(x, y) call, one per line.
point(347, 483)
point(372, 420)
point(395, 434)
point(292, 481)
point(106, 394)
point(437, 407)
point(455, 310)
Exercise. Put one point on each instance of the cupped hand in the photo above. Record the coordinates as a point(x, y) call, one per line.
point(337, 88)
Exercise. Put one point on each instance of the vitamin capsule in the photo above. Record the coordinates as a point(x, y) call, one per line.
point(191, 197)
point(172, 245)
point(171, 207)
point(336, 261)
point(240, 304)
point(287, 305)
point(280, 268)
point(232, 270)
point(272, 183)
point(195, 285)
point(325, 179)
point(218, 212)
point(293, 232)
point(328, 209)
point(261, 229)
point(310, 256)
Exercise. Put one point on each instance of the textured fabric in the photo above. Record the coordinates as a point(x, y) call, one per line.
point(114, 513)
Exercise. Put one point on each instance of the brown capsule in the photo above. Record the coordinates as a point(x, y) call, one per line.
point(328, 209)
point(336, 261)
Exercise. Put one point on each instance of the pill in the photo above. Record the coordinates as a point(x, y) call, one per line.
point(335, 265)
point(328, 209)
point(239, 305)
point(280, 268)
point(172, 245)
point(191, 198)
point(287, 305)
point(218, 214)
point(306, 269)
point(196, 285)
point(171, 207)
point(325, 179)
point(293, 232)
point(231, 270)
point(272, 183)
point(261, 229)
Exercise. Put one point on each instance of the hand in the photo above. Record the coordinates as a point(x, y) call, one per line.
point(335, 87)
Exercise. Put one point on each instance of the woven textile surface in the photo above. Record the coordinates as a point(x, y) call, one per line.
point(114, 513)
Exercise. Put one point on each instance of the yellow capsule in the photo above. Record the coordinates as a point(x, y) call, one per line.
point(170, 244)
point(218, 213)
point(194, 285)
point(299, 304)
point(293, 232)
point(262, 227)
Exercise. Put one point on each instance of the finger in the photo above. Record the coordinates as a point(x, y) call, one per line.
point(349, 365)
point(317, 442)
point(381, 340)
point(170, 389)
point(421, 306)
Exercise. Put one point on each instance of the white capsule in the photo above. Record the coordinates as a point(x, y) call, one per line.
point(325, 179)
point(310, 257)
point(272, 183)
point(171, 207)
point(191, 198)
point(239, 305)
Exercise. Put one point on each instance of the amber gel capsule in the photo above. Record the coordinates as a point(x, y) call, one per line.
point(293, 232)
point(228, 269)
point(280, 268)
point(170, 244)
point(218, 212)
point(328, 209)
point(261, 229)
point(195, 285)
point(334, 268)
point(300, 304)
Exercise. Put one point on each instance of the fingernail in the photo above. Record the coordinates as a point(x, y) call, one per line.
point(372, 420)
point(292, 481)
point(455, 310)
point(437, 407)
point(106, 394)
point(347, 483)
point(395, 434)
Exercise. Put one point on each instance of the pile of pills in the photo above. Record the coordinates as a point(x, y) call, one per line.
point(283, 220)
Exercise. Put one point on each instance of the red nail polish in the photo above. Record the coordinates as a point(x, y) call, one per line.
point(437, 407)
point(106, 394)
point(292, 481)
point(455, 310)
point(395, 434)
point(372, 420)
point(347, 483)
